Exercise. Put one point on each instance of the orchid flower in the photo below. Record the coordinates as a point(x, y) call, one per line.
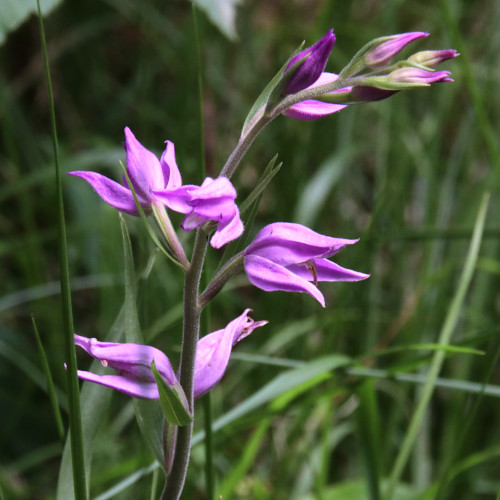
point(145, 172)
point(288, 257)
point(133, 361)
point(212, 201)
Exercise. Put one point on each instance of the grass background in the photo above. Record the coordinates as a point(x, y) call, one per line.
point(406, 175)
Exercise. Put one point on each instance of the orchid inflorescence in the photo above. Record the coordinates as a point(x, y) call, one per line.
point(282, 257)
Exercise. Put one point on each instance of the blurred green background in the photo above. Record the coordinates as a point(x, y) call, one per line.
point(405, 175)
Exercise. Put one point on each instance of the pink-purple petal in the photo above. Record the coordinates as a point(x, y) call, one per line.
point(271, 277)
point(213, 352)
point(289, 243)
point(312, 109)
point(178, 199)
point(227, 231)
point(326, 270)
point(114, 194)
point(143, 167)
point(137, 388)
point(171, 174)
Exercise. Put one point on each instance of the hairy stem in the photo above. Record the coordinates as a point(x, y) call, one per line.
point(192, 313)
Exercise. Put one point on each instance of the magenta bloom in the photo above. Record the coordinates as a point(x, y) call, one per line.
point(212, 201)
point(133, 364)
point(213, 351)
point(146, 173)
point(133, 361)
point(312, 67)
point(288, 257)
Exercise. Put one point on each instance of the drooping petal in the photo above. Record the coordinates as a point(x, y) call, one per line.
point(137, 388)
point(213, 352)
point(171, 174)
point(312, 109)
point(289, 243)
point(112, 193)
point(272, 277)
point(227, 231)
point(143, 167)
point(326, 270)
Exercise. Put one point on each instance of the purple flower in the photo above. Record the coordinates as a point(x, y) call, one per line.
point(145, 172)
point(314, 62)
point(213, 351)
point(133, 361)
point(133, 364)
point(212, 201)
point(287, 257)
point(312, 109)
point(386, 48)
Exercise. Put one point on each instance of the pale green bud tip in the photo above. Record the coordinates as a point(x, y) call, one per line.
point(432, 58)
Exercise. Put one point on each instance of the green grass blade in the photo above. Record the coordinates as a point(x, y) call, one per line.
point(50, 383)
point(75, 422)
point(369, 425)
point(437, 361)
point(231, 480)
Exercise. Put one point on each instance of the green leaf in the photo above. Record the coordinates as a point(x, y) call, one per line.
point(14, 12)
point(281, 384)
point(261, 102)
point(173, 400)
point(222, 13)
point(148, 412)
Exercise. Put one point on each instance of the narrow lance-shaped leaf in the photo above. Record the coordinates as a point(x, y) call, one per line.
point(173, 400)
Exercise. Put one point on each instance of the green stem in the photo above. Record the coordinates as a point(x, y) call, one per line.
point(220, 279)
point(242, 147)
point(75, 423)
point(190, 337)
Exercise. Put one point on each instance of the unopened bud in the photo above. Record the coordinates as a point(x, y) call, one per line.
point(432, 58)
point(384, 49)
point(313, 64)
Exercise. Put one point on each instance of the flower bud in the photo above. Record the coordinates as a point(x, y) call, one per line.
point(384, 49)
point(313, 64)
point(419, 76)
point(432, 58)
